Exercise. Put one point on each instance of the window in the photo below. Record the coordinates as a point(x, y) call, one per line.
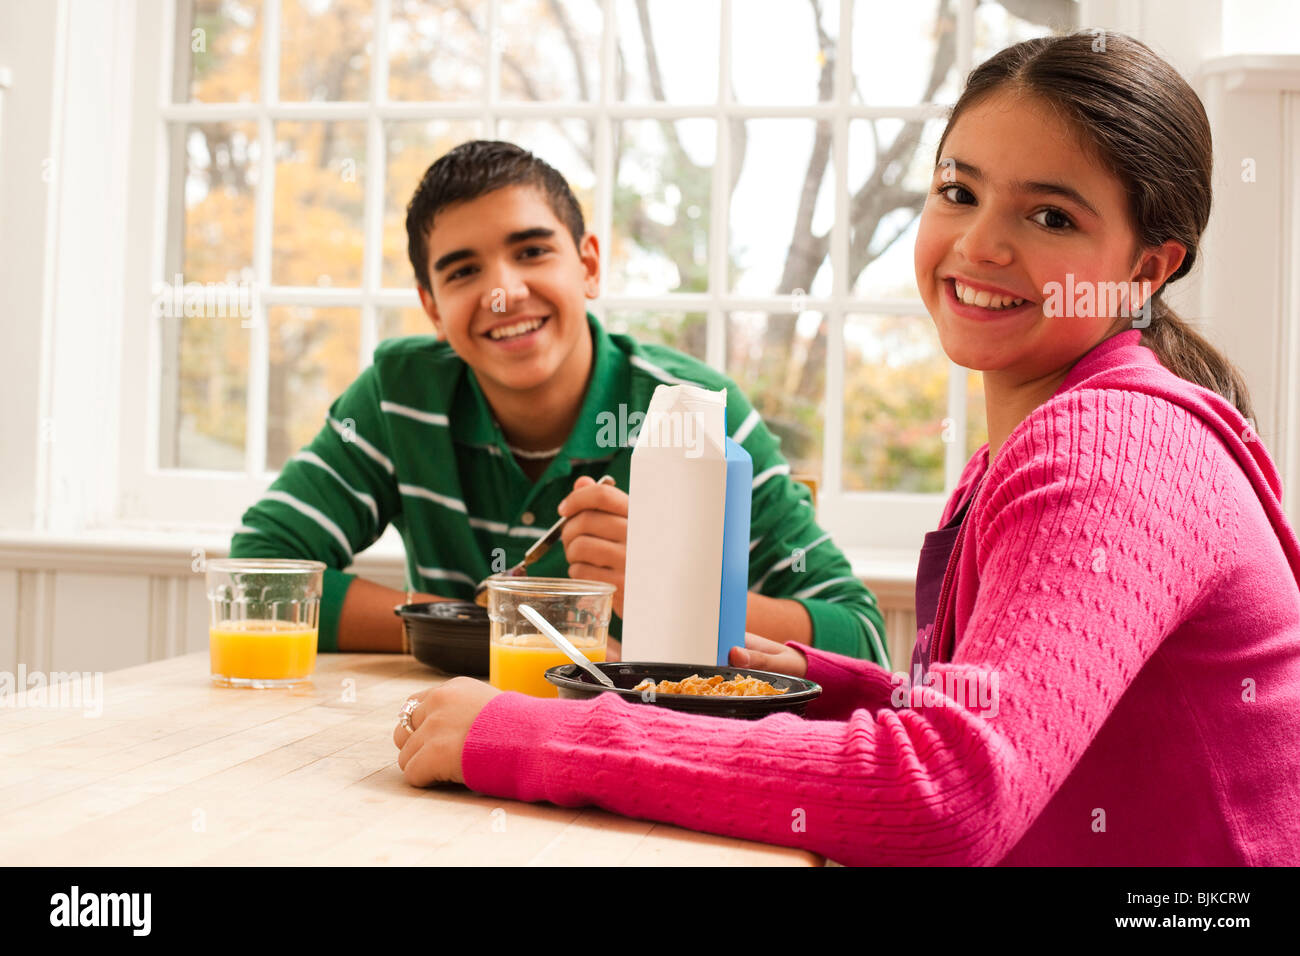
point(754, 169)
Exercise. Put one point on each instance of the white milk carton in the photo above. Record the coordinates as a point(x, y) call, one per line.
point(687, 577)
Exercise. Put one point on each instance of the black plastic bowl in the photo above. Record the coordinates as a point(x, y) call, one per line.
point(451, 636)
point(574, 683)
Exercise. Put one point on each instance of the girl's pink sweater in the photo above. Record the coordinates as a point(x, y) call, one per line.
point(1120, 684)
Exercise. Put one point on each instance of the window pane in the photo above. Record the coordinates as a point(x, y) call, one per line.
point(565, 144)
point(977, 426)
point(395, 323)
point(890, 166)
point(895, 401)
point(779, 362)
point(215, 169)
point(313, 358)
point(556, 56)
point(780, 53)
point(205, 392)
point(412, 149)
point(325, 49)
point(436, 50)
point(319, 203)
point(904, 53)
point(661, 207)
point(782, 207)
point(684, 331)
point(678, 61)
point(997, 28)
point(218, 51)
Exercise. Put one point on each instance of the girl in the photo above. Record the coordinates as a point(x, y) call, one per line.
point(1112, 673)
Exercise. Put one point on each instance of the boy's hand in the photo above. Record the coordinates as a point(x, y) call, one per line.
point(764, 655)
point(595, 537)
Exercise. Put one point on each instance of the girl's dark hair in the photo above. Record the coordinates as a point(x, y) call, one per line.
point(1149, 128)
point(474, 169)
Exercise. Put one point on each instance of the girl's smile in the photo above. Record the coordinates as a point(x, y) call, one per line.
point(1018, 203)
point(982, 303)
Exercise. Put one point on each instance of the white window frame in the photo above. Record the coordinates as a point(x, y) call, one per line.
point(153, 497)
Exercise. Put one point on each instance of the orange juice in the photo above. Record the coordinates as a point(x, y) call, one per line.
point(262, 650)
point(520, 661)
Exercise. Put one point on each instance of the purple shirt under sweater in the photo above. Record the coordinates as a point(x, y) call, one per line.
point(930, 570)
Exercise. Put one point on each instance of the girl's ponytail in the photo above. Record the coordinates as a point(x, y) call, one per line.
point(1188, 355)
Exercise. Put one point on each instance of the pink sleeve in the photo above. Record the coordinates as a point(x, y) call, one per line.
point(847, 683)
point(958, 774)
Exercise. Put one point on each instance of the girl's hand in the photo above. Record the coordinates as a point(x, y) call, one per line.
point(595, 536)
point(431, 752)
point(763, 655)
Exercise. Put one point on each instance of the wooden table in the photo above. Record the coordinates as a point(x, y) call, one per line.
point(178, 772)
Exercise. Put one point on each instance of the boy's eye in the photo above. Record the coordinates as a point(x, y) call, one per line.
point(1062, 221)
point(530, 252)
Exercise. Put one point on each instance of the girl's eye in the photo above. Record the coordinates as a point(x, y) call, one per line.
point(946, 188)
point(1062, 220)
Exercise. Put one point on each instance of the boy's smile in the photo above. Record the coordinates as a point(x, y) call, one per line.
point(509, 291)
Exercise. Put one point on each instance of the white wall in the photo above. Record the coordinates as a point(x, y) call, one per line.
point(27, 42)
point(1261, 26)
point(1251, 251)
point(64, 152)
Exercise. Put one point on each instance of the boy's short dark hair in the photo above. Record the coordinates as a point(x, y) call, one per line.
point(474, 169)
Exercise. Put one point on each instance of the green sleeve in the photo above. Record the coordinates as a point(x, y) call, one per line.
point(792, 557)
point(334, 590)
point(331, 500)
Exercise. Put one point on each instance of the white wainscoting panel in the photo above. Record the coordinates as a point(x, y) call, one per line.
point(194, 636)
point(60, 609)
point(8, 620)
point(35, 616)
point(100, 622)
point(900, 632)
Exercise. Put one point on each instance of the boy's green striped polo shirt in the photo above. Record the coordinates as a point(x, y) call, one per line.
point(413, 443)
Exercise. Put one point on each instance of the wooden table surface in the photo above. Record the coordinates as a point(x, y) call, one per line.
point(178, 772)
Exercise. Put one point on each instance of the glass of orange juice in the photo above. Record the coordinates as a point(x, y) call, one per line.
point(518, 656)
point(262, 630)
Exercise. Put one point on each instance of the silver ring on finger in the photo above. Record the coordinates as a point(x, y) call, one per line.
point(404, 719)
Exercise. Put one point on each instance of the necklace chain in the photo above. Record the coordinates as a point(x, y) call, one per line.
point(524, 452)
point(534, 455)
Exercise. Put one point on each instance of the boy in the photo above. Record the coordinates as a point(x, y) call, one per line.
point(471, 445)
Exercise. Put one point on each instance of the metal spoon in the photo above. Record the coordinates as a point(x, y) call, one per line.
point(539, 548)
point(563, 643)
